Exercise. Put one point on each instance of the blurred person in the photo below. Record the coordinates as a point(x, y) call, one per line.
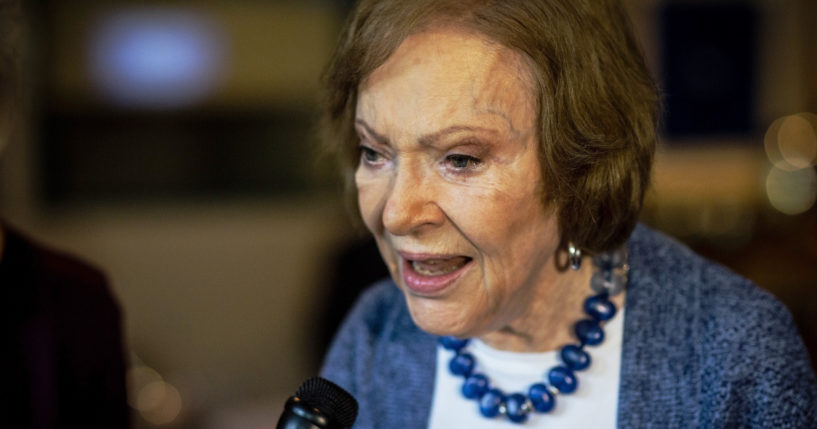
point(499, 151)
point(61, 327)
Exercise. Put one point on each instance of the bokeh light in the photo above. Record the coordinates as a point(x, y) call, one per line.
point(791, 141)
point(791, 191)
point(157, 401)
point(150, 396)
point(770, 141)
point(138, 377)
point(156, 59)
point(797, 139)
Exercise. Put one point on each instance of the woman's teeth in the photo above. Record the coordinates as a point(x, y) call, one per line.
point(438, 267)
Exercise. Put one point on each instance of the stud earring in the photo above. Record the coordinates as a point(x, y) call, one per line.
point(575, 256)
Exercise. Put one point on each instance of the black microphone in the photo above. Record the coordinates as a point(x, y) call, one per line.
point(319, 404)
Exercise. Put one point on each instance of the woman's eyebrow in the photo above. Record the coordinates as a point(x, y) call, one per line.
point(431, 139)
point(378, 137)
point(427, 139)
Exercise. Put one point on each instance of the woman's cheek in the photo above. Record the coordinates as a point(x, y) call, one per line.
point(370, 198)
point(476, 204)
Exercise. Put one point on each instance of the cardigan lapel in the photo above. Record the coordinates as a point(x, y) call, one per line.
point(658, 385)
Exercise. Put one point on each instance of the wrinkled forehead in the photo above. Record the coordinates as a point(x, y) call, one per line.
point(451, 72)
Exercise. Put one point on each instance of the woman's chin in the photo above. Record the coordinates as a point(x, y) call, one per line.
point(436, 320)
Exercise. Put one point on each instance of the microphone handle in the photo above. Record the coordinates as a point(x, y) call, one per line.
point(298, 415)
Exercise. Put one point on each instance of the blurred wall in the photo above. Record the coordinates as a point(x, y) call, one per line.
point(221, 293)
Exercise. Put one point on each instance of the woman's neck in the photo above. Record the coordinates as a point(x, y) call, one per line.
point(547, 322)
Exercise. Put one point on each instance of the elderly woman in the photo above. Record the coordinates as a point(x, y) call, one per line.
point(500, 150)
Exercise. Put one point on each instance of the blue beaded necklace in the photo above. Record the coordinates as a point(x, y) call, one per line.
point(608, 280)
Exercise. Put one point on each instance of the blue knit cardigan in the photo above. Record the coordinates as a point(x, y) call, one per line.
point(702, 347)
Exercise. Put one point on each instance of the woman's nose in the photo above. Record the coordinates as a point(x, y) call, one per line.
point(411, 204)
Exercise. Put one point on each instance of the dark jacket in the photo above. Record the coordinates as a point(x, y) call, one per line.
point(63, 360)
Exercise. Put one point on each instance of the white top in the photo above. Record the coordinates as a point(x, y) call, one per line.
point(593, 404)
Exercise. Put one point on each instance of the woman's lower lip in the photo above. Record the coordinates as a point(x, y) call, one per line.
point(427, 285)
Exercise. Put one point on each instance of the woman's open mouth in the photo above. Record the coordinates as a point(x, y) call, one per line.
point(428, 274)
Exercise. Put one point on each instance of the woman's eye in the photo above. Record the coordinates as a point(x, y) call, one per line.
point(369, 155)
point(462, 162)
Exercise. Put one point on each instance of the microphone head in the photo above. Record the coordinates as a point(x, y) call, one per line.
point(338, 404)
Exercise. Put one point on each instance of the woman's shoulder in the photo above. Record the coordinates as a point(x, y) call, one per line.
point(383, 359)
point(43, 264)
point(378, 321)
point(30, 270)
point(732, 343)
point(379, 307)
point(671, 284)
point(664, 270)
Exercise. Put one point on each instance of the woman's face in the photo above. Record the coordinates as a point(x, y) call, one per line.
point(449, 181)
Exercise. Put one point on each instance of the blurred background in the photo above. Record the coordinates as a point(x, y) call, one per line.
point(173, 144)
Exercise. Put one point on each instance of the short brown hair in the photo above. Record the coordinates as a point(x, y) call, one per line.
point(597, 103)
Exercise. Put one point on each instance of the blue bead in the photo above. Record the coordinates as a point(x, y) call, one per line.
point(490, 402)
point(563, 379)
point(589, 332)
point(599, 307)
point(610, 260)
point(453, 343)
point(607, 282)
point(514, 407)
point(462, 364)
point(541, 398)
point(475, 386)
point(575, 357)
